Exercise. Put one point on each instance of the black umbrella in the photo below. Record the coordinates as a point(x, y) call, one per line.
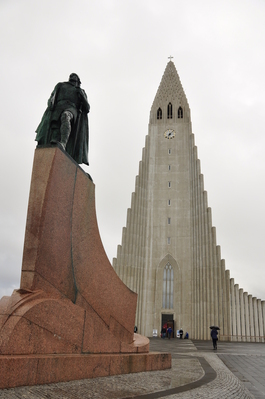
point(214, 328)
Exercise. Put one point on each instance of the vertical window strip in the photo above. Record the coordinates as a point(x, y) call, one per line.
point(180, 112)
point(171, 289)
point(169, 111)
point(159, 113)
point(164, 288)
point(168, 287)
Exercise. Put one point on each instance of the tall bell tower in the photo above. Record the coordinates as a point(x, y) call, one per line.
point(168, 254)
point(158, 236)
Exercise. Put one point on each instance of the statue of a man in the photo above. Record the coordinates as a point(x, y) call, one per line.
point(65, 120)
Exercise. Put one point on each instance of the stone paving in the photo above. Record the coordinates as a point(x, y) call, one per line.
point(245, 360)
point(197, 372)
point(240, 365)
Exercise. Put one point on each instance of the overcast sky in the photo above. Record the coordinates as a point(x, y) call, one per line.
point(120, 49)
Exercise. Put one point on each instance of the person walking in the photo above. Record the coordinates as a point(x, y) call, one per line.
point(163, 332)
point(214, 335)
point(169, 332)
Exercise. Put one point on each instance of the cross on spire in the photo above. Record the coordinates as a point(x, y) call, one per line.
point(170, 57)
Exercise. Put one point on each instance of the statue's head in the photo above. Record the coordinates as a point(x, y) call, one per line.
point(75, 79)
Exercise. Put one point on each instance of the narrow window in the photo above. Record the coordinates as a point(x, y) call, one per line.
point(169, 151)
point(169, 184)
point(168, 220)
point(169, 202)
point(180, 112)
point(168, 240)
point(168, 287)
point(169, 167)
point(159, 113)
point(169, 111)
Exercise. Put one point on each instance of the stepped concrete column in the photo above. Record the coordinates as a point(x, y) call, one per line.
point(199, 252)
point(215, 276)
point(261, 329)
point(242, 315)
point(225, 329)
point(228, 306)
point(256, 319)
point(196, 312)
point(247, 321)
point(238, 324)
point(211, 271)
point(135, 254)
point(125, 246)
point(220, 288)
point(204, 261)
point(233, 309)
point(251, 319)
point(129, 256)
point(207, 264)
point(263, 316)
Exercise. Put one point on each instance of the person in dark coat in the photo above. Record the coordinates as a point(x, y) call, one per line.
point(169, 332)
point(65, 120)
point(163, 332)
point(214, 335)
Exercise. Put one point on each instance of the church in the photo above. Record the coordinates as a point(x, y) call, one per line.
point(168, 254)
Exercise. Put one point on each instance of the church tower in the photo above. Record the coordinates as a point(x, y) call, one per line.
point(168, 253)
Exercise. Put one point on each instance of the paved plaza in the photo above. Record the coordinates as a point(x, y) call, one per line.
point(235, 370)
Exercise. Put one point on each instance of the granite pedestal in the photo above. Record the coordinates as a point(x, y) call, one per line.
point(72, 317)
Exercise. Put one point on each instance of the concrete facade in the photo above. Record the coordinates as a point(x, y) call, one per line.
point(169, 255)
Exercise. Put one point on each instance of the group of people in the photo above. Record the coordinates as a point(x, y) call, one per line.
point(167, 332)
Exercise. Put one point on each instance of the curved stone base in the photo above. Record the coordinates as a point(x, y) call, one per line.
point(35, 323)
point(46, 369)
point(71, 304)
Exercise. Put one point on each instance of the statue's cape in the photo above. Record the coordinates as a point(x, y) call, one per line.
point(42, 130)
point(77, 145)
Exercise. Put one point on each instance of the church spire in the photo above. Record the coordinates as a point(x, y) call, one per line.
point(169, 254)
point(171, 91)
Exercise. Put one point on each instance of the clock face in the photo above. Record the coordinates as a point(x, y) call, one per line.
point(169, 134)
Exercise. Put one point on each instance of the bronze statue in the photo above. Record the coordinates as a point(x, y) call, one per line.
point(65, 120)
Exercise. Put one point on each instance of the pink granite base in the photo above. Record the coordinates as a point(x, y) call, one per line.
point(72, 317)
point(21, 370)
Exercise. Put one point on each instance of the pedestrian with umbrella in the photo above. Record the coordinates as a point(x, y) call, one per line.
point(214, 335)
